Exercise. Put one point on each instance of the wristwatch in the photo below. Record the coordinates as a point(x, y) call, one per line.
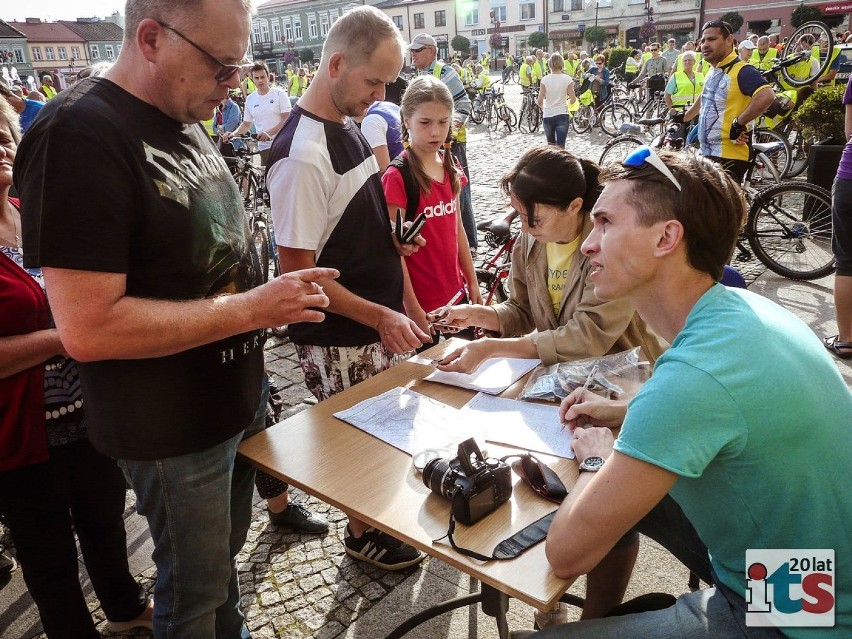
point(592, 464)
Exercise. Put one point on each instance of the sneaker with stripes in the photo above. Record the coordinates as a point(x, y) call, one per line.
point(381, 550)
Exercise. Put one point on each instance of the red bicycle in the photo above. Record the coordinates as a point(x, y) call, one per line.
point(491, 277)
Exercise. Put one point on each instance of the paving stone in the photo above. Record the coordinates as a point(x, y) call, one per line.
point(373, 591)
point(269, 598)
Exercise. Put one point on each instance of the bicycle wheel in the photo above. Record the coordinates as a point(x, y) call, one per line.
point(582, 120)
point(477, 112)
point(619, 148)
point(491, 119)
point(524, 119)
point(613, 117)
point(509, 117)
point(822, 39)
point(493, 291)
point(789, 230)
point(799, 152)
point(781, 159)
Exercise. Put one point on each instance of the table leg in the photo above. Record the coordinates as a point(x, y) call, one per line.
point(496, 604)
point(425, 615)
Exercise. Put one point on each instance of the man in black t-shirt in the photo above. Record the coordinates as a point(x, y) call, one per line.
point(151, 276)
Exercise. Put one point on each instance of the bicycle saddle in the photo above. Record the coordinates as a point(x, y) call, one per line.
point(768, 147)
point(500, 225)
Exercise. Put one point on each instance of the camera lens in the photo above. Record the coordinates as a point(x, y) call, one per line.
point(438, 476)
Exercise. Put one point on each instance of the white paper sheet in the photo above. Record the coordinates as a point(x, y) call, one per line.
point(526, 425)
point(412, 422)
point(493, 377)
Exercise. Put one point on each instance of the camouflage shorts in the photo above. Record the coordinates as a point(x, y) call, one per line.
point(330, 370)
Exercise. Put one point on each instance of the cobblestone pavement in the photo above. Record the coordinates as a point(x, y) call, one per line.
point(305, 586)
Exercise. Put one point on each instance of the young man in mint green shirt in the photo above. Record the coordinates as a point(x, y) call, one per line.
point(746, 423)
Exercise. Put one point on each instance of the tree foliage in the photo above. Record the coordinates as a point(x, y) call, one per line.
point(734, 19)
point(538, 40)
point(496, 41)
point(617, 56)
point(821, 116)
point(306, 55)
point(802, 14)
point(595, 35)
point(461, 44)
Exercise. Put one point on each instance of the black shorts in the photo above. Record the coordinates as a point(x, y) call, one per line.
point(841, 219)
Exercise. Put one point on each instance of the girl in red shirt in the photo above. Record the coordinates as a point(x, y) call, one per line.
point(439, 272)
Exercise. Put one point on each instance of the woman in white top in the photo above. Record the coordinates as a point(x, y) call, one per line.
point(555, 89)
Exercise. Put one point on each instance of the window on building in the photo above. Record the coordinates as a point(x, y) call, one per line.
point(397, 20)
point(604, 4)
point(499, 14)
point(276, 32)
point(19, 54)
point(48, 51)
point(288, 31)
point(297, 28)
point(528, 11)
point(333, 14)
point(419, 21)
point(255, 35)
point(441, 18)
point(94, 52)
point(63, 53)
point(323, 25)
point(634, 2)
point(312, 28)
point(264, 32)
point(471, 17)
point(558, 6)
point(75, 52)
point(577, 5)
point(110, 52)
point(36, 53)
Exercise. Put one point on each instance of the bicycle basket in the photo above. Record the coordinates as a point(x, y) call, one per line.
point(657, 83)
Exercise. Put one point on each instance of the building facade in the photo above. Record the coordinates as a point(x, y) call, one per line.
point(15, 61)
point(103, 38)
point(773, 16)
point(54, 49)
point(282, 29)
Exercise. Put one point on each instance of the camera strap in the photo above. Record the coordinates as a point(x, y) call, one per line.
point(545, 483)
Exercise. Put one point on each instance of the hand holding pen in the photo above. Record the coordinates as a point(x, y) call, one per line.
point(439, 318)
point(582, 409)
point(582, 395)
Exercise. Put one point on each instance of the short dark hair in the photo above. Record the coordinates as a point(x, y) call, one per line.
point(259, 65)
point(710, 205)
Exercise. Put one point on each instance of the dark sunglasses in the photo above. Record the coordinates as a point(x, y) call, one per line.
point(225, 70)
point(719, 24)
point(417, 50)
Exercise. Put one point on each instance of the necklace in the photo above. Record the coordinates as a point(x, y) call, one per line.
point(16, 224)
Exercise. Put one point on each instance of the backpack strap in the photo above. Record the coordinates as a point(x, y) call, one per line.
point(412, 191)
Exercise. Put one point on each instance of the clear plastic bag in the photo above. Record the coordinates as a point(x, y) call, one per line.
point(619, 376)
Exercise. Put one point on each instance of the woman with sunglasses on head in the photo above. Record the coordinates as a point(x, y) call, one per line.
point(552, 312)
point(598, 78)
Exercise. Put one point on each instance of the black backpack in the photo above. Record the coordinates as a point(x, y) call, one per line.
point(412, 190)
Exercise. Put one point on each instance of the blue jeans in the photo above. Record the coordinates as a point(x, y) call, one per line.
point(198, 508)
point(556, 129)
point(459, 151)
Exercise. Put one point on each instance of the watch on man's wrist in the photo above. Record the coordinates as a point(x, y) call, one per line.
point(592, 464)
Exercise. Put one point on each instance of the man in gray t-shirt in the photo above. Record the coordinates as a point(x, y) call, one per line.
point(670, 54)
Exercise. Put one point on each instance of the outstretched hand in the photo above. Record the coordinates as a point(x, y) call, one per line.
point(591, 410)
point(292, 297)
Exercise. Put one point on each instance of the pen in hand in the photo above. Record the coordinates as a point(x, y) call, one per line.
point(582, 396)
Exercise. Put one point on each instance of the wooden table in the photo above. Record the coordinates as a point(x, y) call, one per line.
point(369, 479)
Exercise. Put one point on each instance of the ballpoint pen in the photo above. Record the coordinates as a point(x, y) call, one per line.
point(582, 396)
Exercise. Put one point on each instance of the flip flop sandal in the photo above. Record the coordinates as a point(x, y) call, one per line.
point(843, 350)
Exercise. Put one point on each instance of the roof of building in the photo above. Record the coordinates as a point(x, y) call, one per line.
point(95, 31)
point(46, 32)
point(8, 31)
point(401, 3)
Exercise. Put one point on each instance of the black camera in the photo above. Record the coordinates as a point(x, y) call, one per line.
point(475, 485)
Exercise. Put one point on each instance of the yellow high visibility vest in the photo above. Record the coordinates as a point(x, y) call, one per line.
point(631, 66)
point(764, 63)
point(687, 91)
point(524, 77)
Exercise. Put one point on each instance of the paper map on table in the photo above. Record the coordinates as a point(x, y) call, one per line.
point(411, 422)
point(526, 425)
point(493, 376)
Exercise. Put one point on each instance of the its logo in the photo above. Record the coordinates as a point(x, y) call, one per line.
point(790, 587)
point(441, 209)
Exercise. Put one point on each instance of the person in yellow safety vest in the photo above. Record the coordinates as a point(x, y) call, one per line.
point(298, 84)
point(764, 56)
point(571, 64)
point(525, 73)
point(289, 73)
point(689, 45)
point(210, 126)
point(631, 66)
point(482, 80)
point(805, 68)
point(647, 54)
point(684, 87)
point(833, 66)
point(47, 88)
point(539, 67)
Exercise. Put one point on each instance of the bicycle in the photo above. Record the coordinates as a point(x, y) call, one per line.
point(510, 74)
point(492, 276)
point(608, 115)
point(251, 179)
point(531, 114)
point(490, 106)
